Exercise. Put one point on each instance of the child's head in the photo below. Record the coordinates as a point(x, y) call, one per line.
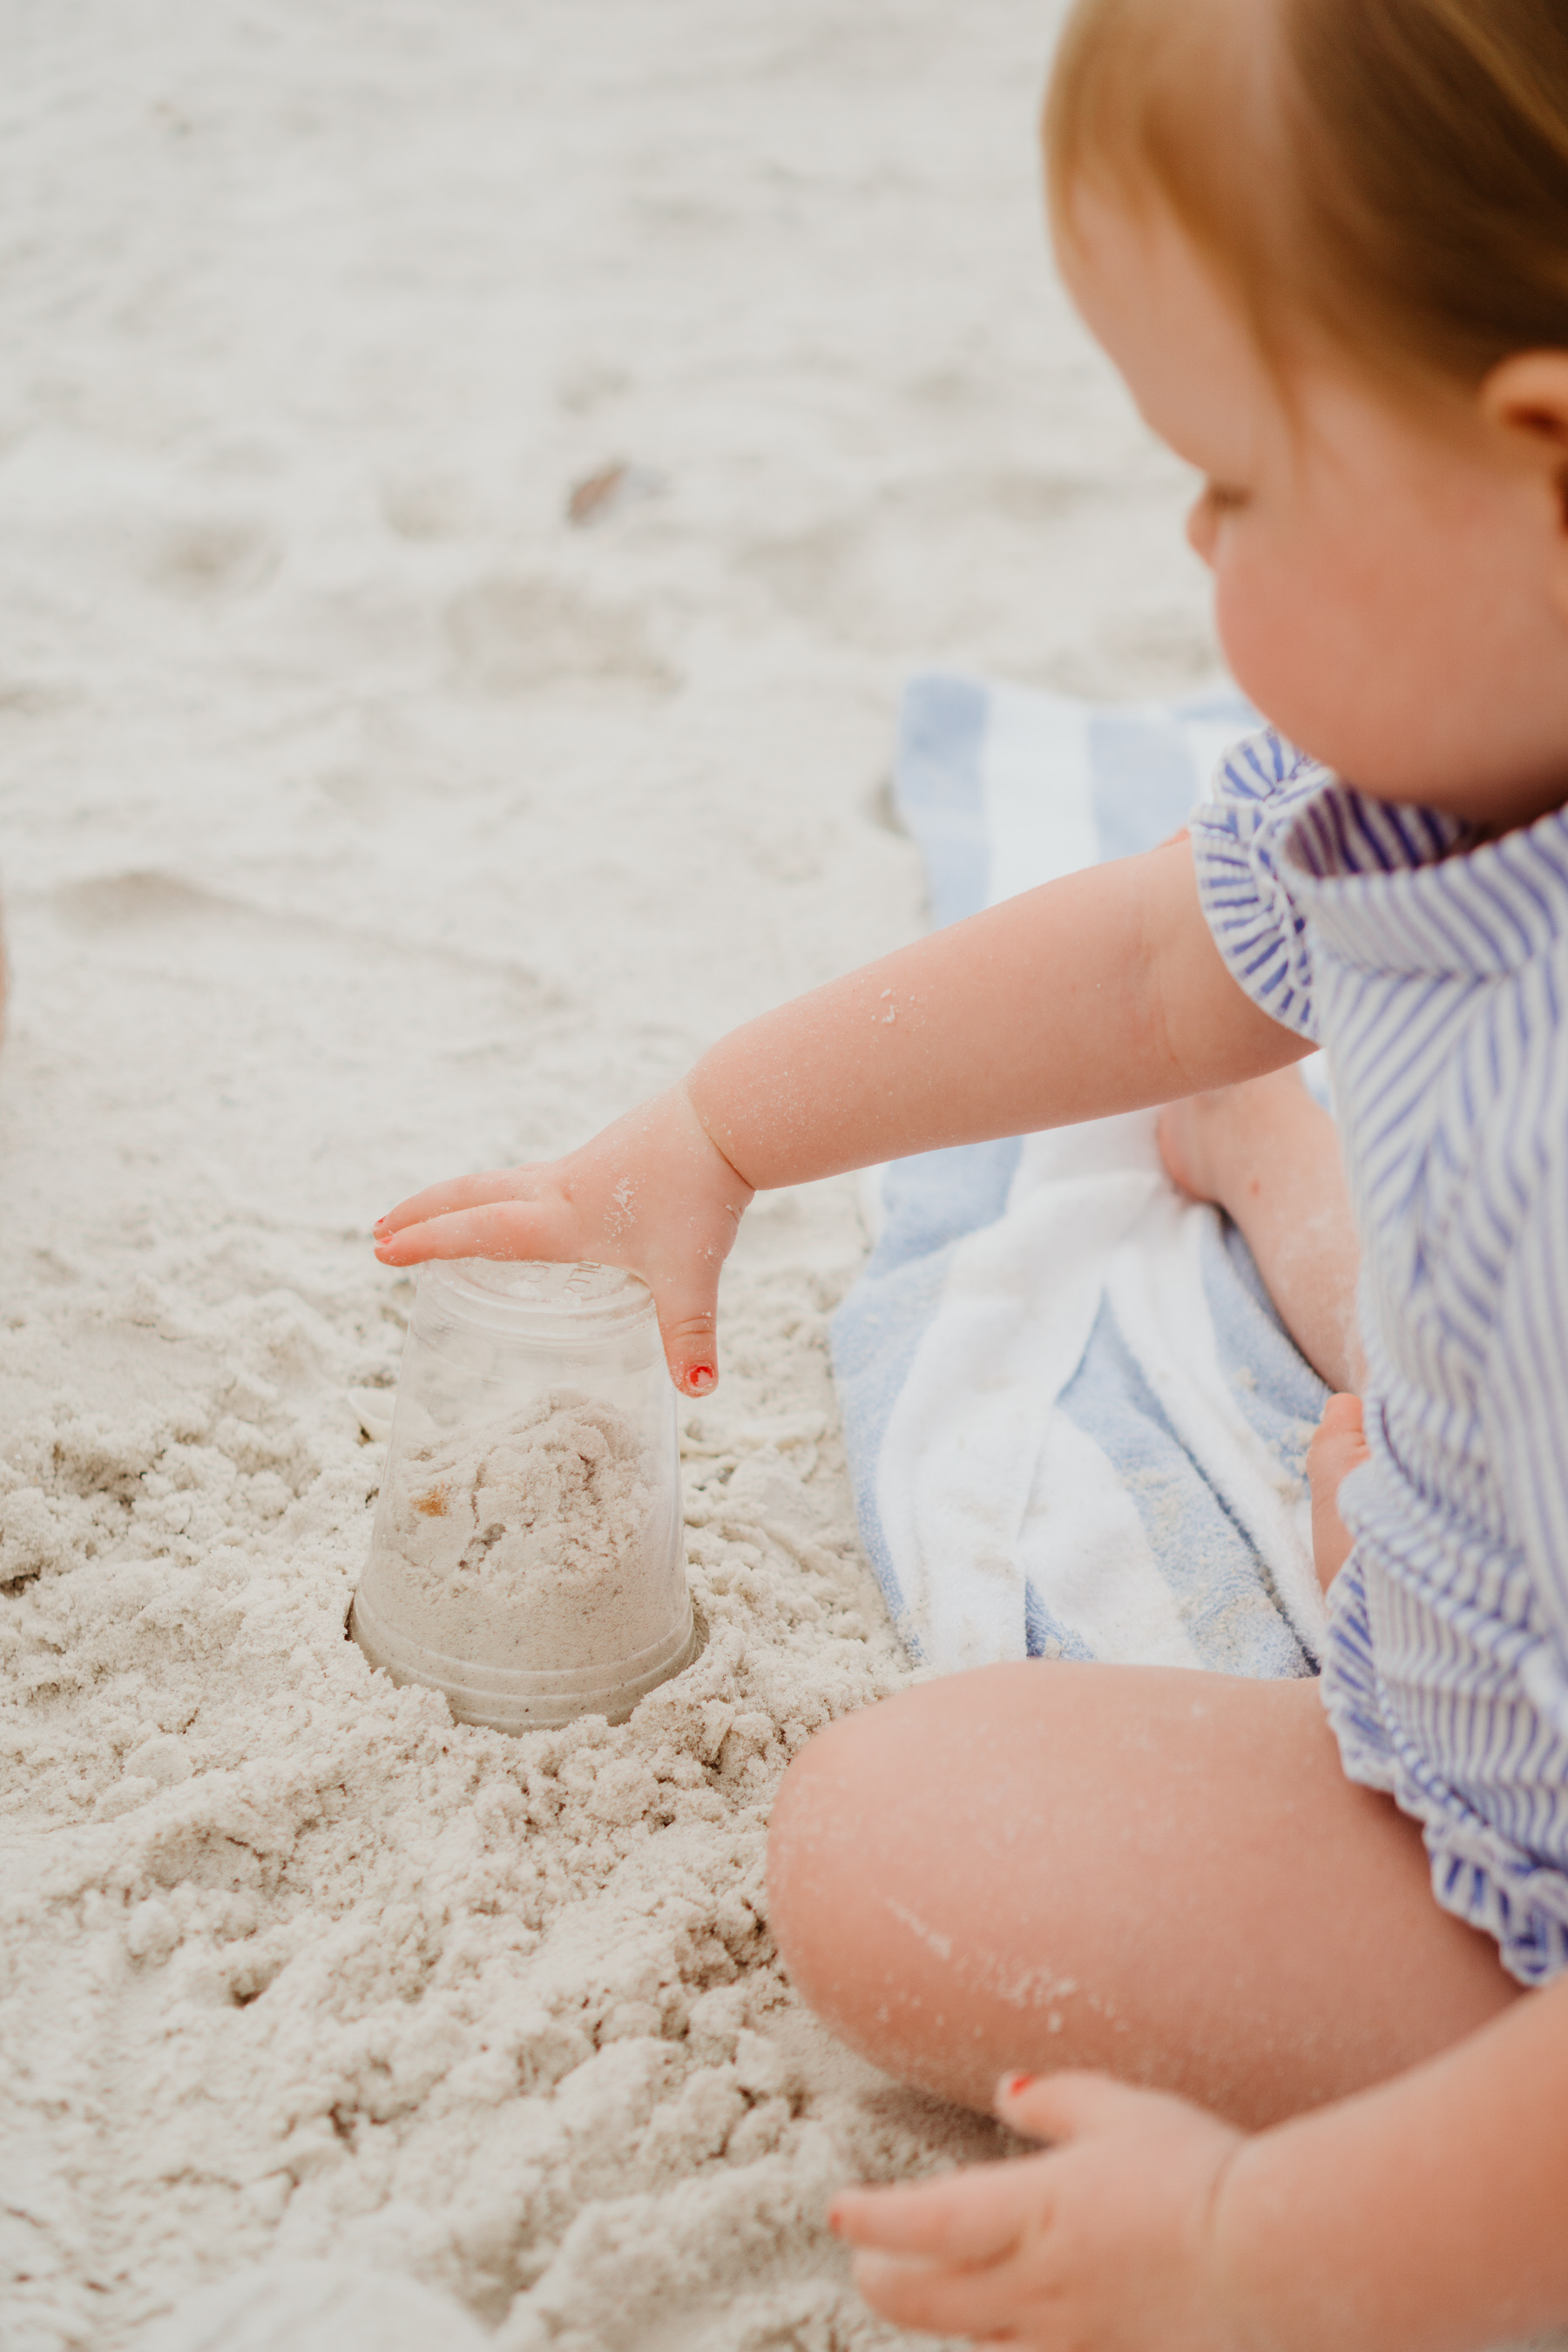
point(1327, 243)
point(1392, 172)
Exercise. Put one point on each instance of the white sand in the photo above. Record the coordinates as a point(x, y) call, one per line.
point(364, 820)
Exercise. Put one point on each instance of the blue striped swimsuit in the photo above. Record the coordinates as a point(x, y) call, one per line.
point(1433, 967)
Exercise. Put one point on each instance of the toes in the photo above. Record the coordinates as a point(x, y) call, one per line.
point(1342, 1417)
point(1339, 1443)
point(1339, 1446)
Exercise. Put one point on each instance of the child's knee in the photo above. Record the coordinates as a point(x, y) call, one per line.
point(836, 1841)
point(869, 1808)
point(805, 1841)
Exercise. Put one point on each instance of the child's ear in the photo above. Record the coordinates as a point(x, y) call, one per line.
point(1524, 400)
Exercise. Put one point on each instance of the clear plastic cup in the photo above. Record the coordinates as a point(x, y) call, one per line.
point(528, 1555)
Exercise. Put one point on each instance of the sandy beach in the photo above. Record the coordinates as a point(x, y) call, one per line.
point(363, 817)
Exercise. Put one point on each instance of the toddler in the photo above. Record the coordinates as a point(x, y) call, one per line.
point(1279, 1969)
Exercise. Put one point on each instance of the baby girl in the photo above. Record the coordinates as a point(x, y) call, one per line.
point(1279, 1969)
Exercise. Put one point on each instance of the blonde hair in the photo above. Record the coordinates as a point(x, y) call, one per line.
point(1394, 172)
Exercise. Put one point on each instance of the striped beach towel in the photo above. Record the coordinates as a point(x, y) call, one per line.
point(1077, 1427)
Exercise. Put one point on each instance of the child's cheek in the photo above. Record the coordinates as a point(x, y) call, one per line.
point(1252, 617)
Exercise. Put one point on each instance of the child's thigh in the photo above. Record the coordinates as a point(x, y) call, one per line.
point(1161, 1873)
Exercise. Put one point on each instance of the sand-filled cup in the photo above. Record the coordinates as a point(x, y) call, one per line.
point(528, 1555)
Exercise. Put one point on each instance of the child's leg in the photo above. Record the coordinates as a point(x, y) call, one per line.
point(1161, 1873)
point(1270, 1157)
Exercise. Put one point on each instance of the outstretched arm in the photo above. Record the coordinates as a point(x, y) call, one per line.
point(1100, 993)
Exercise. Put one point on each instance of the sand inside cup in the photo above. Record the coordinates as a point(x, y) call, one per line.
point(538, 1540)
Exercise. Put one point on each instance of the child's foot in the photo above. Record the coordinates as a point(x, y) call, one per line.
point(1338, 1447)
point(1218, 1146)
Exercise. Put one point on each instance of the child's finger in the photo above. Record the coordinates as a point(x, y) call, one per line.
point(688, 1325)
point(507, 1229)
point(1070, 2104)
point(455, 1192)
point(972, 2218)
point(938, 2298)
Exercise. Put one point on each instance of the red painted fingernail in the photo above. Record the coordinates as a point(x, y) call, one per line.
point(702, 1377)
point(1016, 2084)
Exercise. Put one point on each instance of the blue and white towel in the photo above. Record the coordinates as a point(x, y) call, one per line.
point(1077, 1426)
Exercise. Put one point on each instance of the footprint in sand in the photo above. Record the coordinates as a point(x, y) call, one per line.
point(213, 558)
point(511, 635)
point(135, 901)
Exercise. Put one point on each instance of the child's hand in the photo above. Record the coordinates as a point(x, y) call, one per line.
point(652, 1193)
point(1103, 2245)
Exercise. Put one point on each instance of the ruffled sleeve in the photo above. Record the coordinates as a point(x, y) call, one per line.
point(1237, 838)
